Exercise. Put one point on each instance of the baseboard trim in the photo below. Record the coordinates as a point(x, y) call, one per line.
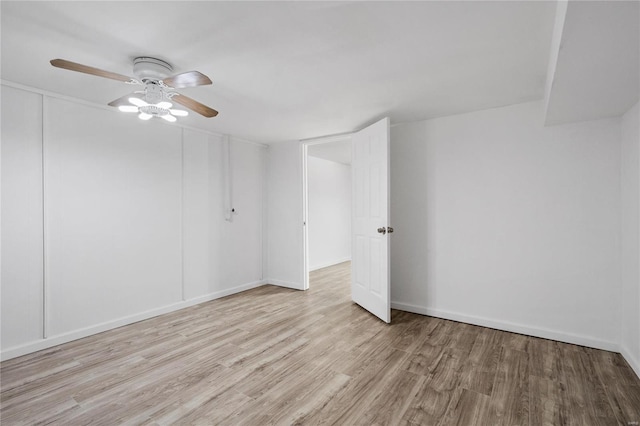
point(327, 264)
point(631, 360)
point(511, 327)
point(110, 325)
point(287, 284)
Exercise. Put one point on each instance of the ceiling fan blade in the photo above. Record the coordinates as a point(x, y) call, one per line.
point(68, 65)
point(125, 99)
point(194, 105)
point(187, 79)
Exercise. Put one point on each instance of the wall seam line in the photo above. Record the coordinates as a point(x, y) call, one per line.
point(182, 213)
point(45, 287)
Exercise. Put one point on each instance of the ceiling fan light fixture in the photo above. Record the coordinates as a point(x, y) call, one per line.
point(164, 105)
point(144, 116)
point(170, 118)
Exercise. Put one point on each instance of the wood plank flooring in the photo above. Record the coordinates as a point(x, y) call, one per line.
point(278, 356)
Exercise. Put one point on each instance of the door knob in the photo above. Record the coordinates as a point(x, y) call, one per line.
point(382, 230)
point(389, 229)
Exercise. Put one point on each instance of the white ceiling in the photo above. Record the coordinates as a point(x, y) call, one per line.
point(339, 151)
point(293, 70)
point(598, 62)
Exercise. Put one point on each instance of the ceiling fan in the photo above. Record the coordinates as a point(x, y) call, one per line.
point(158, 95)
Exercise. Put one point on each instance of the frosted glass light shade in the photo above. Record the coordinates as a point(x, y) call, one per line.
point(138, 102)
point(128, 108)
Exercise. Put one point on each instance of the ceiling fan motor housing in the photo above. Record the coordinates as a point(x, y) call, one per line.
point(151, 69)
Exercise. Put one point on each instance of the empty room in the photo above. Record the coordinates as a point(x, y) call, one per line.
point(349, 213)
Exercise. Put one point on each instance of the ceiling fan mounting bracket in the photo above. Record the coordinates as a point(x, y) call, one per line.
point(153, 69)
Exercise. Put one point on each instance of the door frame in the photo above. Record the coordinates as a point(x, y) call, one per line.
point(306, 143)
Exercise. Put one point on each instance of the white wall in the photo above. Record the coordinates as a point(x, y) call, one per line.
point(285, 215)
point(133, 223)
point(21, 243)
point(220, 254)
point(630, 184)
point(201, 259)
point(241, 240)
point(112, 215)
point(504, 223)
point(329, 212)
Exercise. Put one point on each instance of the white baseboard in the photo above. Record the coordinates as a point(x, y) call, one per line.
point(331, 263)
point(287, 284)
point(508, 326)
point(225, 292)
point(59, 339)
point(634, 362)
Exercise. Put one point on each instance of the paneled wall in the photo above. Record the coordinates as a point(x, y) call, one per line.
point(218, 253)
point(22, 235)
point(112, 215)
point(107, 220)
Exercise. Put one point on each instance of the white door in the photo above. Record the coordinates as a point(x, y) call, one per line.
point(370, 215)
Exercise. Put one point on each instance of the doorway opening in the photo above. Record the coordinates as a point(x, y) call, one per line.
point(327, 191)
point(370, 230)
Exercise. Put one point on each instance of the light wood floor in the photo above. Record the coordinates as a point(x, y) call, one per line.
point(279, 356)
